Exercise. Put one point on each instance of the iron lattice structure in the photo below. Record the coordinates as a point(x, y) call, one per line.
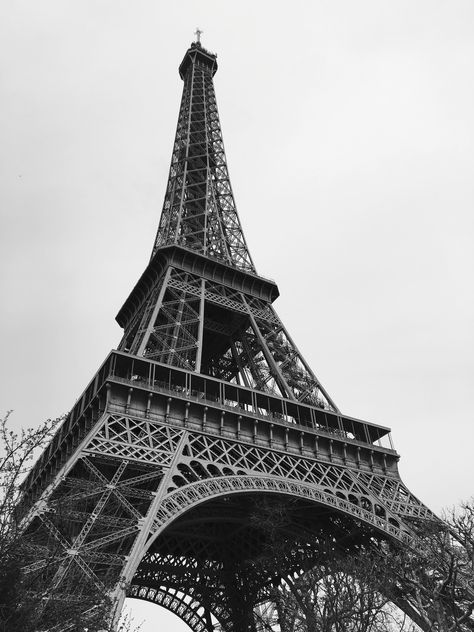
point(207, 410)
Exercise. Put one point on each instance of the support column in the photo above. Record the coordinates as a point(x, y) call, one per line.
point(138, 548)
point(151, 322)
point(201, 327)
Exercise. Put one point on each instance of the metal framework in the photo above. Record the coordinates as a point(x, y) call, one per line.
point(207, 409)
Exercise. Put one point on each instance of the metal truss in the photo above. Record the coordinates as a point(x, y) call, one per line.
point(199, 213)
point(379, 499)
point(137, 439)
point(187, 609)
point(183, 499)
point(199, 209)
point(207, 412)
point(111, 518)
point(241, 339)
point(368, 491)
point(84, 530)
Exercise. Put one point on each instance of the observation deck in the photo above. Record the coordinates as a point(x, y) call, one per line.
point(142, 388)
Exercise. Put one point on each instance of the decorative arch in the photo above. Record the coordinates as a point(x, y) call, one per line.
point(182, 499)
point(183, 606)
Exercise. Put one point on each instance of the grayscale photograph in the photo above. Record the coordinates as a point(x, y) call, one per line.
point(237, 313)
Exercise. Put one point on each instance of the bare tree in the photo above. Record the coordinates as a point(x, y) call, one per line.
point(28, 602)
point(373, 584)
point(337, 596)
point(330, 578)
point(17, 450)
point(436, 575)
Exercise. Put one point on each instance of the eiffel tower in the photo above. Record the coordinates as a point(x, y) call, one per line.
point(205, 412)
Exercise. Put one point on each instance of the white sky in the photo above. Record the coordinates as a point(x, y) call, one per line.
point(350, 141)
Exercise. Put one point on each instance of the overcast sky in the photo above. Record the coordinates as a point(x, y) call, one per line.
point(350, 141)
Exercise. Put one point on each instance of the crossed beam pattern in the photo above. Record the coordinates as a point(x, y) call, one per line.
point(149, 502)
point(200, 325)
point(199, 209)
point(185, 319)
point(214, 326)
point(154, 485)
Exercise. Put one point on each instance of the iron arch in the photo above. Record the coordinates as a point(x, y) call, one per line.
point(183, 499)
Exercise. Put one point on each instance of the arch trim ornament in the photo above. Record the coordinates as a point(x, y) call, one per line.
point(185, 498)
point(174, 601)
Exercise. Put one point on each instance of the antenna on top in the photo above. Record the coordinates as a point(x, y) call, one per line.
point(198, 34)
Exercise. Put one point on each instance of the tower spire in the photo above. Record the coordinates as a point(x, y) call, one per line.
point(199, 210)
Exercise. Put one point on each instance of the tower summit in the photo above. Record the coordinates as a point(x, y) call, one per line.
point(200, 304)
point(206, 410)
point(199, 209)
